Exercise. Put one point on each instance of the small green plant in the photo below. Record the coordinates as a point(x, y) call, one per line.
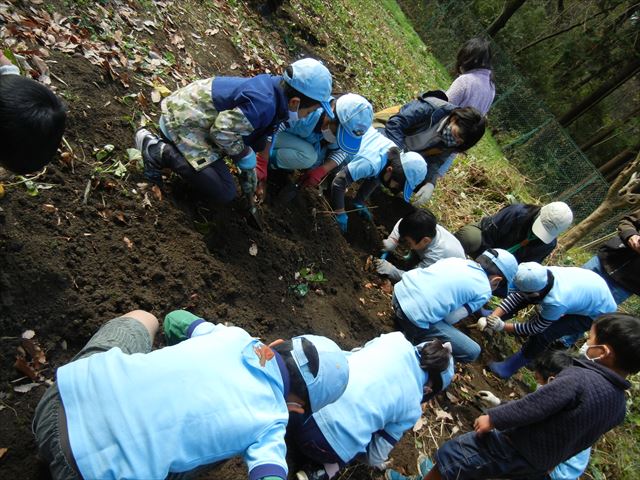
point(306, 279)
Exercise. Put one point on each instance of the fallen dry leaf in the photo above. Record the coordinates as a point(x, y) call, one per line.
point(3, 451)
point(25, 388)
point(36, 353)
point(452, 398)
point(361, 300)
point(387, 286)
point(120, 217)
point(128, 243)
point(47, 207)
point(442, 415)
point(157, 193)
point(23, 367)
point(253, 249)
point(28, 334)
point(419, 424)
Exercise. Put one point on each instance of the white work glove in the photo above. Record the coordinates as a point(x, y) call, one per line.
point(422, 196)
point(495, 323)
point(389, 244)
point(383, 267)
point(488, 398)
point(481, 323)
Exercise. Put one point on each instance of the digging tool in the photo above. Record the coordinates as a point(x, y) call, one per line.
point(248, 183)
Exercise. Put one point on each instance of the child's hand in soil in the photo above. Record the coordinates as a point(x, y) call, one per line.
point(482, 424)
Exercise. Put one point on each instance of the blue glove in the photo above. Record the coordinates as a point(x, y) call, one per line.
point(363, 211)
point(248, 162)
point(342, 220)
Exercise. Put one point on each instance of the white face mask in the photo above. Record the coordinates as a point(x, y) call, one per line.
point(583, 352)
point(293, 116)
point(329, 136)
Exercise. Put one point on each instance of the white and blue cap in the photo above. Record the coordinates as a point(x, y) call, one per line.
point(531, 277)
point(505, 261)
point(333, 370)
point(415, 171)
point(355, 114)
point(311, 78)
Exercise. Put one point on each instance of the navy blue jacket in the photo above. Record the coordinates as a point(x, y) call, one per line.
point(564, 417)
point(260, 98)
point(510, 226)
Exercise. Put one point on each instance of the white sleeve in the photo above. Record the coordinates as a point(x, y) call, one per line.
point(9, 70)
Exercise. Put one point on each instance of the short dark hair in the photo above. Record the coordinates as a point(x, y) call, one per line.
point(32, 121)
point(395, 162)
point(551, 363)
point(622, 333)
point(434, 359)
point(471, 126)
point(290, 92)
point(297, 385)
point(488, 266)
point(418, 224)
point(474, 53)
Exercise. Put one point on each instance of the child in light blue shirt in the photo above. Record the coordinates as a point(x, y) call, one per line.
point(389, 378)
point(217, 392)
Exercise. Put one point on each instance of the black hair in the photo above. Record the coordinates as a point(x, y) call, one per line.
point(297, 384)
point(622, 333)
point(434, 359)
point(418, 224)
point(491, 268)
point(471, 126)
point(551, 363)
point(475, 53)
point(290, 92)
point(394, 161)
point(32, 120)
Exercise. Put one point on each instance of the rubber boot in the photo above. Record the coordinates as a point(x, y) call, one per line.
point(509, 366)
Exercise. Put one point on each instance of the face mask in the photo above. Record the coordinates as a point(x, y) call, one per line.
point(293, 116)
point(447, 136)
point(583, 352)
point(329, 136)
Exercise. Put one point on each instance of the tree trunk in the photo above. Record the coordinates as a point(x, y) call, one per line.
point(620, 193)
point(599, 137)
point(601, 92)
point(616, 162)
point(510, 7)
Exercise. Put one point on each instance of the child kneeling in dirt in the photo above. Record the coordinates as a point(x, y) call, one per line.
point(426, 238)
point(207, 119)
point(32, 120)
point(319, 143)
point(527, 438)
point(378, 161)
point(429, 301)
point(119, 410)
point(370, 418)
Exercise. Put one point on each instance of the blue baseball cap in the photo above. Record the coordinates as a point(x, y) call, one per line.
point(415, 171)
point(505, 262)
point(311, 78)
point(531, 277)
point(355, 114)
point(333, 370)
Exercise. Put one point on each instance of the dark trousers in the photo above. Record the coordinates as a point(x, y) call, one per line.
point(305, 434)
point(214, 182)
point(567, 325)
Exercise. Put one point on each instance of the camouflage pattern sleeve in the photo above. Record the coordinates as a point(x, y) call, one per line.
point(228, 129)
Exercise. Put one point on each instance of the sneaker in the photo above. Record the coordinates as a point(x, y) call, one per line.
point(425, 464)
point(320, 474)
point(152, 163)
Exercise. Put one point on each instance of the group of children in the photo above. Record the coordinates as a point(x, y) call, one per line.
point(121, 410)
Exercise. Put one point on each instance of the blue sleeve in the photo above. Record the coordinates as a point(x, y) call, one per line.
point(574, 467)
point(258, 106)
point(360, 168)
point(266, 457)
point(410, 115)
point(444, 168)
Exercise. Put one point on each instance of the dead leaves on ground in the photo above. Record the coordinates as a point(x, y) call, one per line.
point(30, 361)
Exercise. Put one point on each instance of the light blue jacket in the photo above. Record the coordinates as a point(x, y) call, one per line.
point(381, 402)
point(576, 291)
point(430, 295)
point(372, 156)
point(202, 401)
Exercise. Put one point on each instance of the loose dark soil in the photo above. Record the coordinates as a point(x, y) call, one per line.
point(68, 268)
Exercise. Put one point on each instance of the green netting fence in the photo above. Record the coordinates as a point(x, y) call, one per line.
point(525, 128)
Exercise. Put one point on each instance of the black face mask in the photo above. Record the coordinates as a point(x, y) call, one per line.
point(388, 183)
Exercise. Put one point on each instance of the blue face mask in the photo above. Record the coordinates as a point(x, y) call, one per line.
point(293, 116)
point(447, 137)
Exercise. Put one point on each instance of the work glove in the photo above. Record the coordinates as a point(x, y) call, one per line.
point(342, 220)
point(176, 325)
point(248, 181)
point(384, 267)
point(488, 398)
point(261, 167)
point(495, 323)
point(313, 177)
point(389, 244)
point(422, 196)
point(481, 323)
point(363, 211)
point(248, 162)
